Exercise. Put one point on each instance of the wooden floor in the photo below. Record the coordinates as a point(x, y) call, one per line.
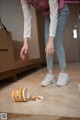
point(63, 102)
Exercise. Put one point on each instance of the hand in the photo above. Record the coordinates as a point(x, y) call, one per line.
point(49, 47)
point(24, 51)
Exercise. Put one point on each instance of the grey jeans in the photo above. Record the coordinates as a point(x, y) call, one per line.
point(62, 21)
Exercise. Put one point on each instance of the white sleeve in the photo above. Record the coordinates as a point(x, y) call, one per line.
point(27, 18)
point(53, 4)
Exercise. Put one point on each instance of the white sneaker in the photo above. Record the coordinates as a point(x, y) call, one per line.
point(63, 79)
point(48, 80)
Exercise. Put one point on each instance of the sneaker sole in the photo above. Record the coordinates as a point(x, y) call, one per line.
point(49, 84)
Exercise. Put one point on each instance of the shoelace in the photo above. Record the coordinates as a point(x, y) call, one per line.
point(46, 77)
point(60, 76)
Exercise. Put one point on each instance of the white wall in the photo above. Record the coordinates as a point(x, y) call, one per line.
point(12, 17)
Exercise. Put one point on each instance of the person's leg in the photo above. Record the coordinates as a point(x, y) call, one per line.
point(62, 21)
point(49, 59)
point(49, 78)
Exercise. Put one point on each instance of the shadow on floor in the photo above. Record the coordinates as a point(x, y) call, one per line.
point(37, 117)
point(8, 81)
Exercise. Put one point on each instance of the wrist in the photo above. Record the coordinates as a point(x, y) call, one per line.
point(51, 39)
point(26, 41)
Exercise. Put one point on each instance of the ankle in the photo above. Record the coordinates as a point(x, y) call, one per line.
point(50, 71)
point(63, 71)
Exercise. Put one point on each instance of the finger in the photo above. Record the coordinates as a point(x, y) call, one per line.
point(47, 52)
point(51, 51)
point(22, 54)
point(25, 51)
